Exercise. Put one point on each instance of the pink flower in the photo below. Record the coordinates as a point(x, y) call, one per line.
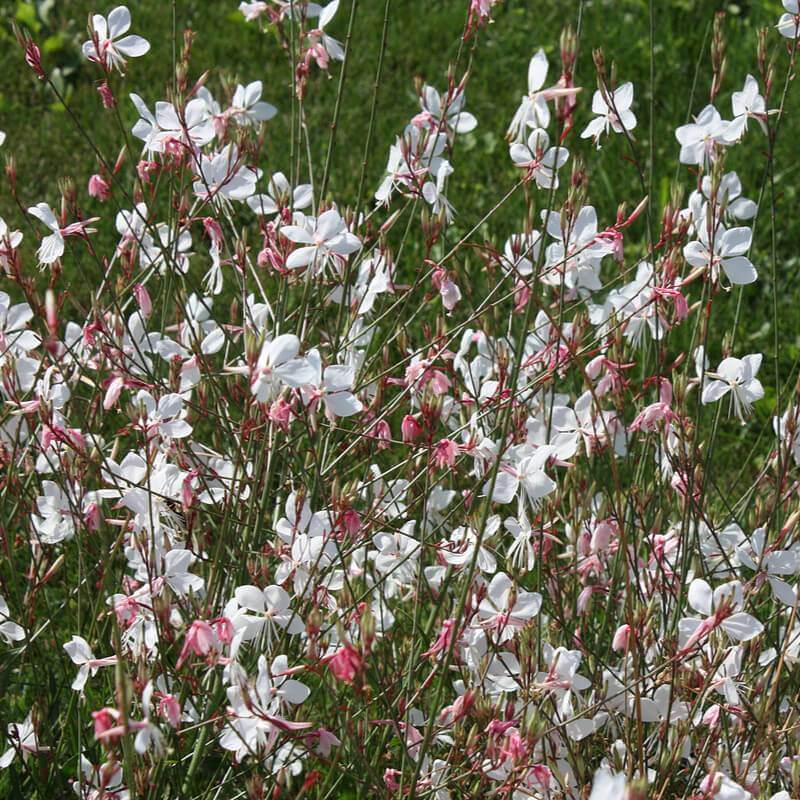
point(444, 453)
point(410, 428)
point(98, 188)
point(346, 663)
point(621, 638)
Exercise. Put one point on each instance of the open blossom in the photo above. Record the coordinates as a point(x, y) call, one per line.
point(726, 253)
point(21, 738)
point(746, 105)
point(108, 45)
point(252, 11)
point(248, 108)
point(81, 654)
point(719, 608)
point(699, 139)
point(280, 195)
point(323, 47)
point(223, 176)
point(447, 111)
point(52, 245)
point(540, 161)
point(613, 111)
point(279, 365)
point(9, 630)
point(324, 239)
point(789, 23)
point(533, 111)
point(737, 377)
point(333, 386)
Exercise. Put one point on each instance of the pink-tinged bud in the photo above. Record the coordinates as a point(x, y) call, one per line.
point(346, 664)
point(445, 452)
point(383, 433)
point(410, 429)
point(200, 640)
point(104, 720)
point(92, 517)
point(280, 413)
point(621, 639)
point(390, 777)
point(223, 627)
point(144, 168)
point(542, 775)
point(143, 299)
point(352, 521)
point(584, 598)
point(213, 230)
point(187, 490)
point(443, 640)
point(602, 535)
point(106, 95)
point(711, 717)
point(33, 58)
point(98, 188)
point(170, 709)
point(450, 293)
point(113, 391)
point(51, 312)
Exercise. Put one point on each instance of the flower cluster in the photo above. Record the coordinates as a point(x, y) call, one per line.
point(307, 499)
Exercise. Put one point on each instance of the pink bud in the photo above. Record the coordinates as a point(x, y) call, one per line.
point(383, 433)
point(280, 413)
point(410, 429)
point(143, 299)
point(33, 58)
point(104, 720)
point(711, 717)
point(98, 188)
point(352, 521)
point(106, 95)
point(113, 391)
point(346, 664)
point(169, 708)
point(444, 453)
point(144, 168)
point(621, 639)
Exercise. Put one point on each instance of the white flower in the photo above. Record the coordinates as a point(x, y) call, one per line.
point(221, 175)
point(22, 739)
point(278, 364)
point(333, 387)
point(608, 785)
point(52, 246)
point(528, 475)
point(55, 521)
point(772, 563)
point(616, 116)
point(81, 654)
point(533, 111)
point(737, 376)
point(252, 11)
point(698, 138)
point(9, 629)
point(541, 161)
point(248, 107)
point(281, 195)
point(739, 625)
point(746, 104)
point(498, 612)
point(728, 253)
point(454, 117)
point(111, 50)
point(789, 23)
point(165, 418)
point(324, 239)
point(266, 609)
